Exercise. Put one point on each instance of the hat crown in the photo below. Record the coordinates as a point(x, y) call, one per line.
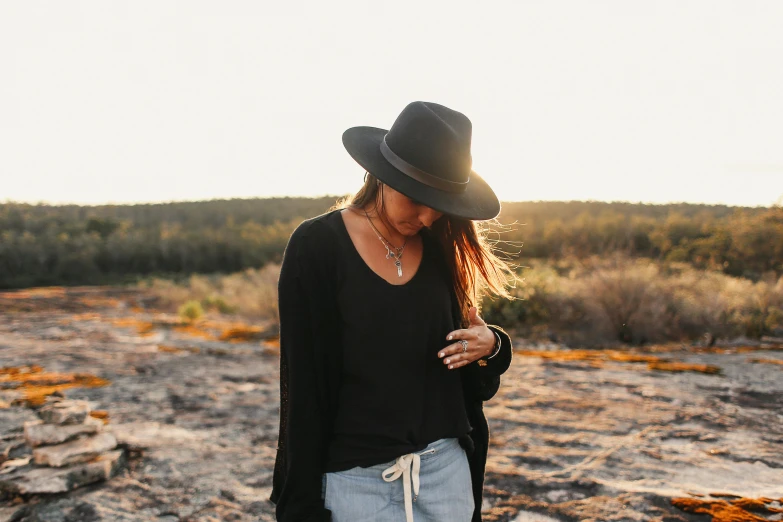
point(434, 139)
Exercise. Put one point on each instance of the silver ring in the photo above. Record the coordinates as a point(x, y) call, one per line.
point(464, 345)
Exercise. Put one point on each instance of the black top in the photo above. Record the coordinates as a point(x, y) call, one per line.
point(396, 396)
point(311, 369)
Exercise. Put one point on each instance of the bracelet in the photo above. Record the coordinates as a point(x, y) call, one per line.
point(497, 350)
point(483, 360)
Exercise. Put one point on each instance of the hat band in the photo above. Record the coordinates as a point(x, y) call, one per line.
point(418, 174)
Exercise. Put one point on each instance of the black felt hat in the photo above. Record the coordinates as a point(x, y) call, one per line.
point(426, 156)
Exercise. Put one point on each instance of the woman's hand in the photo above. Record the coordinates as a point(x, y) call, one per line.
point(481, 342)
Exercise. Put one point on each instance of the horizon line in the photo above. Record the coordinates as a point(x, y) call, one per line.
point(8, 201)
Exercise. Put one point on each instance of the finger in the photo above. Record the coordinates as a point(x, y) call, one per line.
point(454, 357)
point(468, 334)
point(458, 364)
point(451, 349)
point(454, 352)
point(458, 334)
point(474, 317)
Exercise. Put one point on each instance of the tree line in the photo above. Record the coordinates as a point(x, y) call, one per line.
point(109, 244)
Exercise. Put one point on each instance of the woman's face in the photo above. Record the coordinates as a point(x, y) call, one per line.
point(405, 214)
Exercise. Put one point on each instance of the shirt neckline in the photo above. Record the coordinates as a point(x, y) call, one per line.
point(361, 260)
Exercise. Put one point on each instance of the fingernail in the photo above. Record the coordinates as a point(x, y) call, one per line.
point(449, 338)
point(441, 354)
point(451, 366)
point(447, 362)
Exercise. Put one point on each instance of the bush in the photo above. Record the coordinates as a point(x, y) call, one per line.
point(601, 300)
point(215, 302)
point(191, 310)
point(251, 293)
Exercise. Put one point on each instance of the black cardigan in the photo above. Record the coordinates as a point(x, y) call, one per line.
point(310, 372)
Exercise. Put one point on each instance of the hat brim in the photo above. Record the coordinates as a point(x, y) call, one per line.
point(477, 202)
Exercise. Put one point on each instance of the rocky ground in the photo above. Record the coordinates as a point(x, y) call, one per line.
point(668, 433)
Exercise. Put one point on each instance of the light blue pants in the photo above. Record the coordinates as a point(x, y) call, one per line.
point(444, 493)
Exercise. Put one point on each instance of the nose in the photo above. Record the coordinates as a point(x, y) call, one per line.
point(428, 216)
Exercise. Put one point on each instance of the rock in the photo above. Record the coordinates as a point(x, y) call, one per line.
point(65, 412)
point(36, 433)
point(525, 516)
point(148, 434)
point(59, 480)
point(79, 450)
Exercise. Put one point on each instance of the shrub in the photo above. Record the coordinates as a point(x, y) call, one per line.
point(191, 310)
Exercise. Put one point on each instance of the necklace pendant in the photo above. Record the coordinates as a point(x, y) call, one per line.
point(399, 267)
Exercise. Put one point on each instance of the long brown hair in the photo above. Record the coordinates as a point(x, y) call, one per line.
point(474, 267)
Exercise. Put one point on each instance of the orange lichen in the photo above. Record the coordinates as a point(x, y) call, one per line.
point(596, 357)
point(564, 355)
point(766, 361)
point(723, 511)
point(272, 346)
point(591, 355)
point(757, 504)
point(684, 367)
point(36, 384)
point(242, 333)
point(100, 415)
point(763, 348)
point(177, 349)
point(169, 349)
point(631, 357)
point(99, 302)
point(194, 331)
point(143, 328)
point(87, 316)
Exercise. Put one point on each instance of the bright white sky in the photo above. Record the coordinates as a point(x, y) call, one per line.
point(652, 101)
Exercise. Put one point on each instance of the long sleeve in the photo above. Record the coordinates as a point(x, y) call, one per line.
point(303, 297)
point(498, 364)
point(484, 381)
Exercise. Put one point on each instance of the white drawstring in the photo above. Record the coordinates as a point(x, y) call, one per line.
point(403, 467)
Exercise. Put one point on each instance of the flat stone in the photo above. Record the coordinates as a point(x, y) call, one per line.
point(65, 412)
point(149, 434)
point(36, 433)
point(79, 450)
point(60, 480)
point(525, 516)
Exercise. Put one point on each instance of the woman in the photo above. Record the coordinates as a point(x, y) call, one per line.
point(384, 360)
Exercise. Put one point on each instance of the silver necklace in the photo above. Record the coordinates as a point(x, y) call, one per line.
point(397, 254)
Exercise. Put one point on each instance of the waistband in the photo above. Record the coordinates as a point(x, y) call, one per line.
point(407, 466)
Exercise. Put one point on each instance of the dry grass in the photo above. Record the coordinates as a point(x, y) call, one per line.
point(251, 293)
point(637, 301)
